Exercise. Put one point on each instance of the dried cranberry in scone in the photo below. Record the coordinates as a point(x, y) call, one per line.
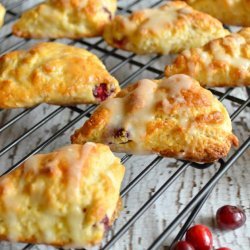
point(121, 135)
point(102, 92)
point(120, 43)
point(106, 223)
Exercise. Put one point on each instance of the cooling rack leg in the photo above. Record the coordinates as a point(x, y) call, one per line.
point(191, 218)
point(198, 198)
point(194, 213)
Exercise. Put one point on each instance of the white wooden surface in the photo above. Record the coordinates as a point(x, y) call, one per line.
point(233, 189)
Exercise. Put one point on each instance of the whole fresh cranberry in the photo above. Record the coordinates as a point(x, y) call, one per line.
point(200, 237)
point(223, 248)
point(182, 245)
point(230, 217)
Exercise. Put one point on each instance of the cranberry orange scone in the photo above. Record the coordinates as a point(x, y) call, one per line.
point(173, 117)
point(66, 198)
point(66, 18)
point(53, 73)
point(232, 12)
point(2, 14)
point(224, 62)
point(170, 28)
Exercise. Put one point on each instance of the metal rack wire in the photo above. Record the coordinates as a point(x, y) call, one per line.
point(193, 207)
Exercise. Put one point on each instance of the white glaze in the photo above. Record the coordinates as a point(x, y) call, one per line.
point(136, 120)
point(75, 156)
point(220, 54)
point(157, 18)
point(75, 214)
point(141, 103)
point(175, 84)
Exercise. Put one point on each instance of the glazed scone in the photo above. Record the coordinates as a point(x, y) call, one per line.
point(66, 19)
point(2, 14)
point(53, 73)
point(170, 28)
point(174, 117)
point(224, 62)
point(231, 12)
point(66, 198)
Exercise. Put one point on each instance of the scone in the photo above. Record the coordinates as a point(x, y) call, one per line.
point(232, 12)
point(224, 62)
point(66, 198)
point(53, 73)
point(2, 14)
point(174, 117)
point(170, 28)
point(66, 18)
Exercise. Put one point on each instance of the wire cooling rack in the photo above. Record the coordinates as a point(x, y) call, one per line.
point(29, 131)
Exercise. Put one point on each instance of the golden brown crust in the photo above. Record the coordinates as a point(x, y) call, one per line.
point(173, 117)
point(170, 28)
point(53, 73)
point(232, 12)
point(65, 198)
point(66, 18)
point(224, 62)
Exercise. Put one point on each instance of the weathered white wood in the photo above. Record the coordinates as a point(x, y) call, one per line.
point(234, 188)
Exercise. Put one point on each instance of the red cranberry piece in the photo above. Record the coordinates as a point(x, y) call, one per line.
point(182, 245)
point(121, 133)
point(230, 217)
point(120, 43)
point(200, 237)
point(223, 248)
point(121, 136)
point(105, 222)
point(101, 92)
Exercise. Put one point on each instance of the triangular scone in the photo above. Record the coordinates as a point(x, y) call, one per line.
point(224, 62)
point(232, 12)
point(53, 73)
point(66, 18)
point(173, 117)
point(67, 198)
point(2, 14)
point(170, 28)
